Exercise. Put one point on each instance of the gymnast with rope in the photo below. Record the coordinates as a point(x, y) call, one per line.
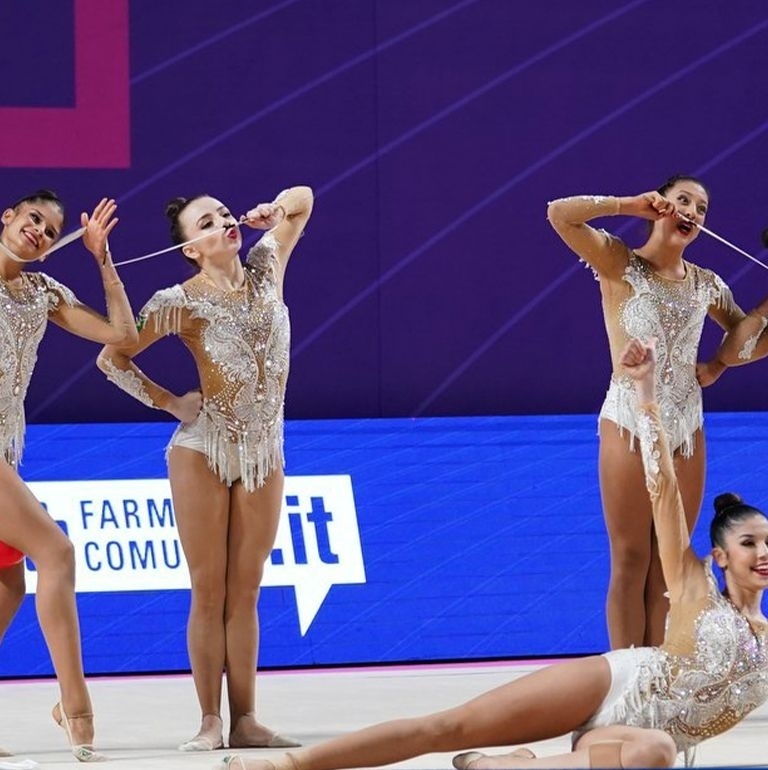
point(31, 227)
point(629, 708)
point(225, 460)
point(648, 291)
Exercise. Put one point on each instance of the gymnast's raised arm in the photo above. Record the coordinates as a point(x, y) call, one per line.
point(683, 571)
point(606, 255)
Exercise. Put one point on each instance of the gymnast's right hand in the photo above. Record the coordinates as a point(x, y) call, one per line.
point(650, 205)
point(638, 360)
point(186, 408)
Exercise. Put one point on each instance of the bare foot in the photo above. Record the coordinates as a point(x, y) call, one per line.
point(209, 737)
point(247, 733)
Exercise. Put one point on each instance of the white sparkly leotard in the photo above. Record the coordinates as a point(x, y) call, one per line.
point(672, 311)
point(712, 669)
point(240, 342)
point(638, 302)
point(24, 312)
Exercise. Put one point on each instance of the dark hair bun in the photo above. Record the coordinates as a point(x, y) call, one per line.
point(45, 194)
point(173, 207)
point(42, 194)
point(726, 500)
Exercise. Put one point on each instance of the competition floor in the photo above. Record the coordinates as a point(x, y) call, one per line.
point(140, 720)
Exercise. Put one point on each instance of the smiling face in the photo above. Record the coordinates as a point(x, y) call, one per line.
point(744, 552)
point(32, 228)
point(206, 215)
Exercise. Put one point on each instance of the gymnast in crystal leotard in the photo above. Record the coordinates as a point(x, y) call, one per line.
point(650, 291)
point(28, 301)
point(225, 461)
point(628, 708)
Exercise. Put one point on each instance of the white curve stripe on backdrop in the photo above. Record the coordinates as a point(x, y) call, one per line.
point(125, 538)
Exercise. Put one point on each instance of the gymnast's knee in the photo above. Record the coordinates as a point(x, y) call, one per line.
point(55, 559)
point(653, 749)
point(445, 730)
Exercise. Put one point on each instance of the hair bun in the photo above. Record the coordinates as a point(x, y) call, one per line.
point(726, 500)
point(173, 207)
point(45, 194)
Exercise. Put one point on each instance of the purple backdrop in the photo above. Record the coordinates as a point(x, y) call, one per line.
point(433, 132)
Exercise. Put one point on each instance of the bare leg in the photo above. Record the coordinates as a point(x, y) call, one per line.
point(656, 603)
point(690, 473)
point(12, 589)
point(253, 525)
point(201, 502)
point(26, 526)
point(627, 747)
point(544, 704)
point(636, 606)
point(628, 519)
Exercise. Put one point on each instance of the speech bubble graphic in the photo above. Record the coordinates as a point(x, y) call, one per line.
point(125, 537)
point(318, 542)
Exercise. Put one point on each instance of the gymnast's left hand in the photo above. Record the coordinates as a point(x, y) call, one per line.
point(186, 408)
point(708, 372)
point(98, 227)
point(639, 358)
point(265, 216)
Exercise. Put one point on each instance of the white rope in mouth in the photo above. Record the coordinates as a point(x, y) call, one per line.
point(717, 237)
point(217, 231)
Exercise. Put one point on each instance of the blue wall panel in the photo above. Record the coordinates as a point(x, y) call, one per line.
point(480, 538)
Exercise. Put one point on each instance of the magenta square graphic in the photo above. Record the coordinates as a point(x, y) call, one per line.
point(95, 133)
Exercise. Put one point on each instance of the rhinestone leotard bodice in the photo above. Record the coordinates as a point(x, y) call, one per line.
point(24, 311)
point(240, 343)
point(712, 669)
